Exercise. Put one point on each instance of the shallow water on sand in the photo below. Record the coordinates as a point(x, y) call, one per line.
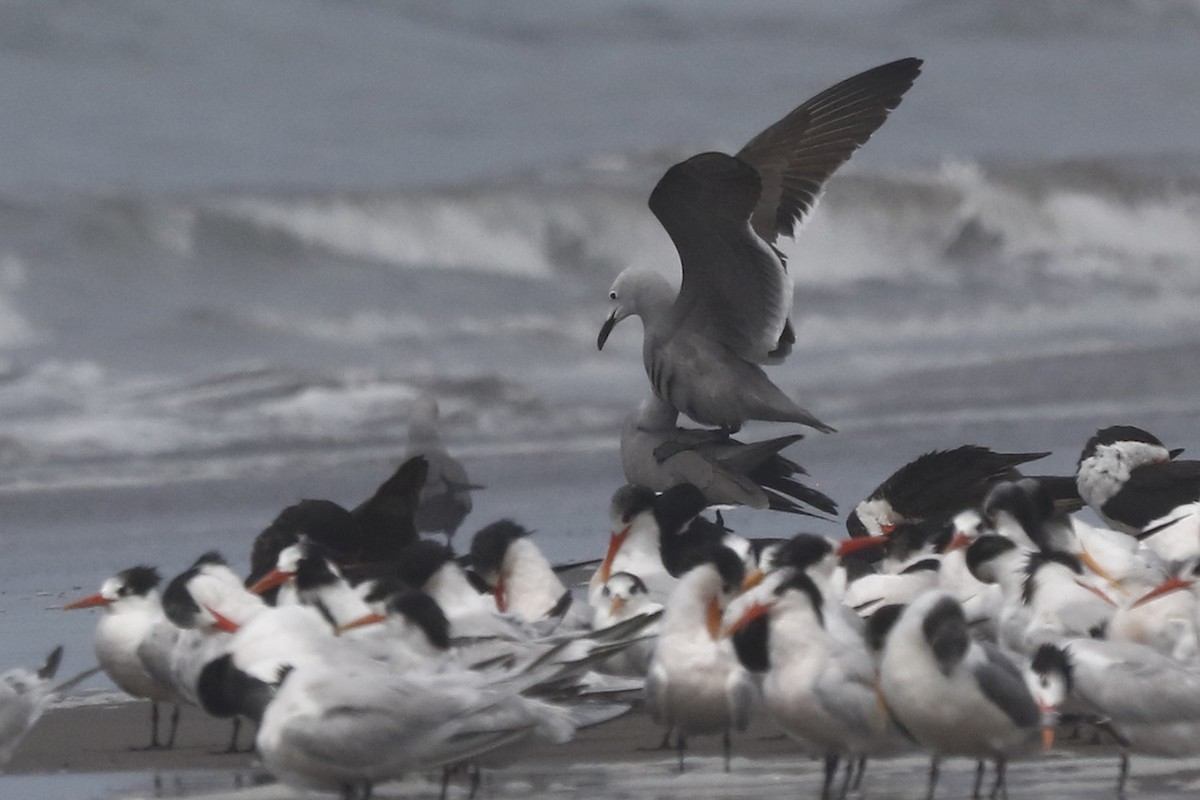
point(772, 778)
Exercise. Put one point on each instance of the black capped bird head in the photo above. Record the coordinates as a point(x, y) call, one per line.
point(491, 543)
point(982, 553)
point(802, 551)
point(1050, 660)
point(211, 558)
point(629, 501)
point(314, 571)
point(726, 562)
point(137, 581)
point(1025, 500)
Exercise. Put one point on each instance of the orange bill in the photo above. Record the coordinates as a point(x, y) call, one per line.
point(752, 613)
point(1166, 587)
point(91, 601)
point(272, 579)
point(366, 619)
point(856, 544)
point(614, 546)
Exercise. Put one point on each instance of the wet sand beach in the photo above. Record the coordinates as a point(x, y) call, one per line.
point(86, 752)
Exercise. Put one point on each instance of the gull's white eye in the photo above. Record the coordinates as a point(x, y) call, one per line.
point(612, 295)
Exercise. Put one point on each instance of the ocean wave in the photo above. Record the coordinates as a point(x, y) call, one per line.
point(959, 223)
point(82, 417)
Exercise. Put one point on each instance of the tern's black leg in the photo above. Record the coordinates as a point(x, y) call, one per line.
point(1000, 787)
point(980, 768)
point(154, 745)
point(846, 780)
point(933, 777)
point(728, 745)
point(862, 767)
point(1123, 775)
point(476, 777)
point(174, 727)
point(445, 782)
point(233, 740)
point(680, 746)
point(831, 765)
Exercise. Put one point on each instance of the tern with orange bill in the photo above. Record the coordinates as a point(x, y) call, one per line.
point(132, 611)
point(954, 695)
point(819, 688)
point(1147, 702)
point(695, 685)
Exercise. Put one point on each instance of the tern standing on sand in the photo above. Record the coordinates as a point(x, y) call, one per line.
point(703, 346)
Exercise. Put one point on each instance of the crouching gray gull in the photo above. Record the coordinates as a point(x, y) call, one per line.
point(657, 454)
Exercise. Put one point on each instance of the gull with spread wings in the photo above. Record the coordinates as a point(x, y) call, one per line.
point(702, 346)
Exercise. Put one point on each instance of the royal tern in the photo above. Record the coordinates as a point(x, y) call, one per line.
point(622, 597)
point(819, 688)
point(350, 724)
point(651, 534)
point(123, 639)
point(695, 685)
point(955, 696)
point(522, 580)
point(1149, 703)
point(1024, 511)
point(702, 346)
point(208, 603)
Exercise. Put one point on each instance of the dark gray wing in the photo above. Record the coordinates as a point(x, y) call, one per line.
point(795, 156)
point(724, 213)
point(734, 289)
point(1001, 681)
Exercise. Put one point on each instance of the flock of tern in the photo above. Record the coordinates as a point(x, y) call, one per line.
point(970, 612)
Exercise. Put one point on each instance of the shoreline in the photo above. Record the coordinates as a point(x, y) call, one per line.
point(87, 751)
